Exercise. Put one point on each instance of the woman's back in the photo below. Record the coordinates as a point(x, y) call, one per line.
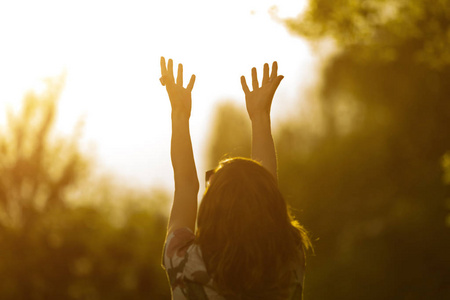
point(190, 279)
point(248, 239)
point(246, 245)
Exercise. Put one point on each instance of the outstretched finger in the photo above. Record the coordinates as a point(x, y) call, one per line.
point(170, 70)
point(163, 78)
point(274, 70)
point(266, 74)
point(163, 66)
point(190, 85)
point(255, 83)
point(180, 75)
point(244, 85)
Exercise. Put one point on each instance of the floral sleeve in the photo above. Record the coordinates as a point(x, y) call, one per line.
point(184, 266)
point(175, 257)
point(188, 277)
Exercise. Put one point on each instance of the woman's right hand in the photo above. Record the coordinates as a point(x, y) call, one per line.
point(259, 100)
point(180, 97)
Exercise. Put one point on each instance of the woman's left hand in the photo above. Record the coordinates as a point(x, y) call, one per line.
point(180, 97)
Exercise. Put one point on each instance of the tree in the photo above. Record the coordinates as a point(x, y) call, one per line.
point(52, 248)
point(384, 30)
point(36, 169)
point(372, 187)
point(230, 134)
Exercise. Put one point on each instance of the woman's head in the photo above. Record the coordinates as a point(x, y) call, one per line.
point(244, 227)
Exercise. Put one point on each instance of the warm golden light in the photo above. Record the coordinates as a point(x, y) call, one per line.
point(109, 53)
point(357, 139)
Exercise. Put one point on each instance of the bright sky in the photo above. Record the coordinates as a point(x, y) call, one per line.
point(110, 53)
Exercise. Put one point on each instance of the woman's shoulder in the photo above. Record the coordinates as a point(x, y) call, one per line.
point(185, 267)
point(182, 253)
point(178, 241)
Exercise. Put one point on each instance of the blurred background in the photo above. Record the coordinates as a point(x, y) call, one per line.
point(361, 124)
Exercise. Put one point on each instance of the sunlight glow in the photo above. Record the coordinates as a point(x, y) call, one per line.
point(109, 52)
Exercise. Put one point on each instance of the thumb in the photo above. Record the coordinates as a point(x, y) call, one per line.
point(277, 81)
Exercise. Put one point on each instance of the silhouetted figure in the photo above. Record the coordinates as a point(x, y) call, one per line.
point(246, 245)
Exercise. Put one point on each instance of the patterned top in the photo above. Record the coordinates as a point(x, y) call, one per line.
point(187, 273)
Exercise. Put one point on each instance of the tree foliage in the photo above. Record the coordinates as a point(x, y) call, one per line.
point(53, 248)
point(384, 99)
point(36, 168)
point(230, 128)
point(381, 29)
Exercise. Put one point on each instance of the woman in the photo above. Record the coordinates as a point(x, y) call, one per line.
point(246, 245)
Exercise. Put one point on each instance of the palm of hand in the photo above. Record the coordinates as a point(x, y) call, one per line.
point(180, 97)
point(259, 100)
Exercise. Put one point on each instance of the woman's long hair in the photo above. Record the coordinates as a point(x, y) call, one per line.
point(247, 236)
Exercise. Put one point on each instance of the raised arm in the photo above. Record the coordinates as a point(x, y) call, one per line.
point(258, 103)
point(184, 208)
